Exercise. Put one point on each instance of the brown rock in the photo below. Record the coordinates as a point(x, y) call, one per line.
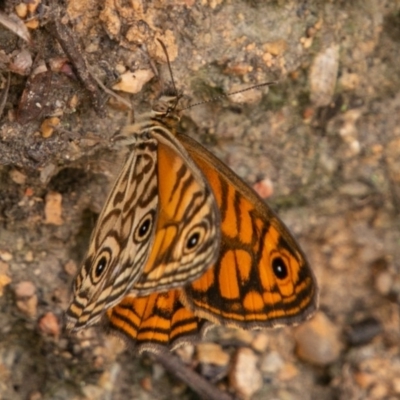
point(244, 375)
point(264, 188)
point(318, 341)
point(71, 268)
point(49, 324)
point(28, 306)
point(24, 289)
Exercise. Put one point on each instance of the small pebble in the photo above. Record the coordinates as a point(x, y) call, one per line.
point(32, 24)
point(146, 384)
point(28, 306)
point(354, 189)
point(264, 188)
point(276, 48)
point(185, 353)
point(323, 75)
point(244, 375)
point(383, 282)
point(212, 353)
point(260, 342)
point(363, 332)
point(48, 125)
point(49, 324)
point(132, 82)
point(35, 396)
point(5, 255)
point(92, 392)
point(245, 97)
point(29, 256)
point(21, 10)
point(271, 363)
point(364, 379)
point(52, 209)
point(379, 391)
point(24, 289)
point(33, 5)
point(18, 177)
point(396, 385)
point(288, 372)
point(71, 268)
point(21, 63)
point(318, 341)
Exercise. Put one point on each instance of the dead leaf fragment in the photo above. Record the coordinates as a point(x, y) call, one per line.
point(15, 25)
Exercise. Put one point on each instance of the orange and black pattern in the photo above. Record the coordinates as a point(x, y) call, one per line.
point(159, 227)
point(183, 242)
point(120, 244)
point(155, 321)
point(261, 278)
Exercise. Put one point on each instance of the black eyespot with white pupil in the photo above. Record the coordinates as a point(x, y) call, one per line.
point(144, 228)
point(100, 267)
point(194, 238)
point(193, 241)
point(279, 267)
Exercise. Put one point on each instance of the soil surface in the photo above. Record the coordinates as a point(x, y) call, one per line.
point(323, 144)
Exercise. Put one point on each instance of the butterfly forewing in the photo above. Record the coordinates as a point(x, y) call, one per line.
point(261, 277)
point(120, 244)
point(187, 237)
point(159, 228)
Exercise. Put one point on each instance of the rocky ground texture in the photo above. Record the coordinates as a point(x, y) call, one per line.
point(322, 144)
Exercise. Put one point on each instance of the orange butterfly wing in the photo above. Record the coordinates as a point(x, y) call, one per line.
point(262, 277)
point(186, 210)
point(155, 321)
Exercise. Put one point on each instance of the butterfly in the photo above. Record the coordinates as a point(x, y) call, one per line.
point(183, 242)
point(260, 279)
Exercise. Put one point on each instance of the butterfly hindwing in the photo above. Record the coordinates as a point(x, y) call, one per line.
point(155, 321)
point(261, 277)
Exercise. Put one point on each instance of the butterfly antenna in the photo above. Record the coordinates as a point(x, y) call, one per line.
point(145, 52)
point(169, 64)
point(178, 97)
point(229, 94)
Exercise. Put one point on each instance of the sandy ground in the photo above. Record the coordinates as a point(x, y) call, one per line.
point(324, 140)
